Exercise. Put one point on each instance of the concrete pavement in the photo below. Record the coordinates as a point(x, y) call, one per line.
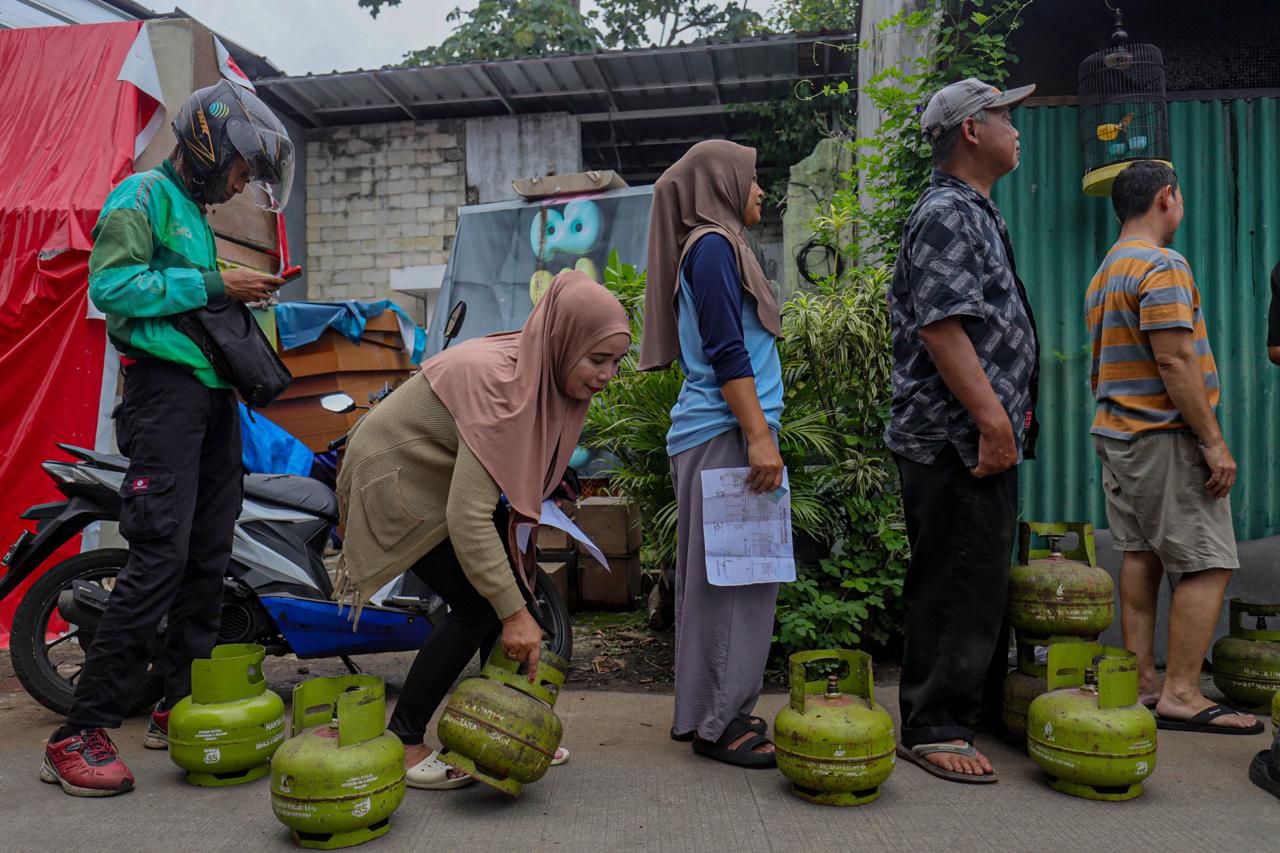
point(630, 788)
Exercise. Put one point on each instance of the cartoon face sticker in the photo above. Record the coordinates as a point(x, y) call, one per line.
point(573, 231)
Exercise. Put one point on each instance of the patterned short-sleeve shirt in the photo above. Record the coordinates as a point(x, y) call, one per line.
point(1141, 288)
point(956, 261)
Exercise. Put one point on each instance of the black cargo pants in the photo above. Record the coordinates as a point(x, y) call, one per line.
point(955, 652)
point(179, 504)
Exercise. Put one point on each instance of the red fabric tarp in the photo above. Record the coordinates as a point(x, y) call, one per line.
point(67, 135)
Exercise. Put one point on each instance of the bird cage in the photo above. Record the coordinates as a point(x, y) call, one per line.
point(1123, 114)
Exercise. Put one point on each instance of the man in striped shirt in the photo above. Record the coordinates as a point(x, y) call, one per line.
point(1166, 468)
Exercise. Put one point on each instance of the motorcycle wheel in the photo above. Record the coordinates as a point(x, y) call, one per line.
point(555, 617)
point(49, 662)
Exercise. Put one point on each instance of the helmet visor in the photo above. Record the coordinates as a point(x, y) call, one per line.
point(271, 182)
point(267, 149)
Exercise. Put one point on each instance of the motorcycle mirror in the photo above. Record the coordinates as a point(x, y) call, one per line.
point(456, 317)
point(338, 403)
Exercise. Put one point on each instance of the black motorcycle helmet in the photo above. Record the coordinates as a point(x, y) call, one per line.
point(220, 121)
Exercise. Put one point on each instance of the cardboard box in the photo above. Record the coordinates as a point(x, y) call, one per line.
point(600, 589)
point(612, 523)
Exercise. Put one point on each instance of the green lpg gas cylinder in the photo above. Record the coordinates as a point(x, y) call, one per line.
point(499, 727)
point(337, 780)
point(1246, 663)
point(1026, 682)
point(833, 741)
point(1088, 733)
point(1054, 595)
point(226, 731)
point(1019, 691)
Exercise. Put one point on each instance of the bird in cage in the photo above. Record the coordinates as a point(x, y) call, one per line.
point(1108, 132)
point(1117, 133)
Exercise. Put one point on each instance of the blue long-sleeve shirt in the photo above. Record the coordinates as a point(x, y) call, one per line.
point(721, 339)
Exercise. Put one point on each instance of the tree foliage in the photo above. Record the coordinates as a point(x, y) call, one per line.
point(506, 29)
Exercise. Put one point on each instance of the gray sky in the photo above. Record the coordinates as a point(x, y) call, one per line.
point(325, 35)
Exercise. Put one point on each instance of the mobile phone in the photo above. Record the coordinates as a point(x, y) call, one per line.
point(290, 273)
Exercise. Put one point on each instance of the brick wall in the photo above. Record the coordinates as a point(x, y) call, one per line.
point(381, 197)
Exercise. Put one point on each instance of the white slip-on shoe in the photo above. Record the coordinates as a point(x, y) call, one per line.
point(432, 774)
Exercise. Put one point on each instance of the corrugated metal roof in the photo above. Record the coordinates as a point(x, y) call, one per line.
point(1224, 152)
point(671, 82)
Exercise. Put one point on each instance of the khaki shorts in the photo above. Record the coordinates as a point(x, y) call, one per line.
point(1156, 502)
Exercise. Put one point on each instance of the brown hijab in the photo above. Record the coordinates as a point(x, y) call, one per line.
point(705, 191)
point(504, 392)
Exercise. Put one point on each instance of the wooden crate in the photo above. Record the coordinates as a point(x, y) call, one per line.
point(309, 422)
point(559, 574)
point(357, 383)
point(333, 353)
point(612, 523)
point(554, 539)
point(609, 590)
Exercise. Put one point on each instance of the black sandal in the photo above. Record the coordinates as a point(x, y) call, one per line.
point(759, 725)
point(744, 754)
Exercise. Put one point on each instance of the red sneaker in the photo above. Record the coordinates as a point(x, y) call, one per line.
point(86, 765)
point(157, 736)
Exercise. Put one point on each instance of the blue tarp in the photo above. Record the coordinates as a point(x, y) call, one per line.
point(300, 323)
point(269, 449)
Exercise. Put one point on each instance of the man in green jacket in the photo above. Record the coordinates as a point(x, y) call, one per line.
point(178, 422)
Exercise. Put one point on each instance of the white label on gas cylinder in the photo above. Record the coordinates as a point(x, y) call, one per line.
point(358, 782)
point(211, 734)
point(1048, 731)
point(289, 809)
point(1043, 754)
point(839, 753)
point(212, 755)
point(1061, 590)
point(275, 724)
point(286, 784)
point(275, 738)
point(1140, 767)
point(361, 808)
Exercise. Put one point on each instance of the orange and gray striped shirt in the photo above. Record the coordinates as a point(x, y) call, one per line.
point(1141, 288)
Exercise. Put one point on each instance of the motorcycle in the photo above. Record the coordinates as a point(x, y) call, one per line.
point(277, 590)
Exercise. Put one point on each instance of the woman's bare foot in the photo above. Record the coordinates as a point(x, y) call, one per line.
point(416, 753)
point(976, 766)
point(764, 747)
point(1172, 708)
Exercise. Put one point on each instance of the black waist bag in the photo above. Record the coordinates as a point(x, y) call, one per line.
point(240, 353)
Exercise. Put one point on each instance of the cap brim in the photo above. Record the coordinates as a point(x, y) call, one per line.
point(1013, 97)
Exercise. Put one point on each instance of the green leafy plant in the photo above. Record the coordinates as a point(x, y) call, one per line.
point(964, 40)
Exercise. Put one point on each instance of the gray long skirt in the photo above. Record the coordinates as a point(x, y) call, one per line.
point(722, 632)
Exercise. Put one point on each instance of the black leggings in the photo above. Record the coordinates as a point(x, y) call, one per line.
point(470, 625)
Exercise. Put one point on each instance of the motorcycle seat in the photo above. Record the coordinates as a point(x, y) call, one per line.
point(287, 490)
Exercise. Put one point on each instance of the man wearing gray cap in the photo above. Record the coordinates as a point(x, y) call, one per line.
point(965, 370)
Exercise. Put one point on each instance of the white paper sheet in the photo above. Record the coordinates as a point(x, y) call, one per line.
point(553, 516)
point(746, 537)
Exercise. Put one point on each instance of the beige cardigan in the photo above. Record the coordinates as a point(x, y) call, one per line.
point(407, 483)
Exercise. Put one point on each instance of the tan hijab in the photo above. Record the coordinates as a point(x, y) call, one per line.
point(504, 392)
point(705, 191)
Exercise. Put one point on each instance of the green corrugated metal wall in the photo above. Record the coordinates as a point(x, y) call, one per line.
point(1227, 154)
